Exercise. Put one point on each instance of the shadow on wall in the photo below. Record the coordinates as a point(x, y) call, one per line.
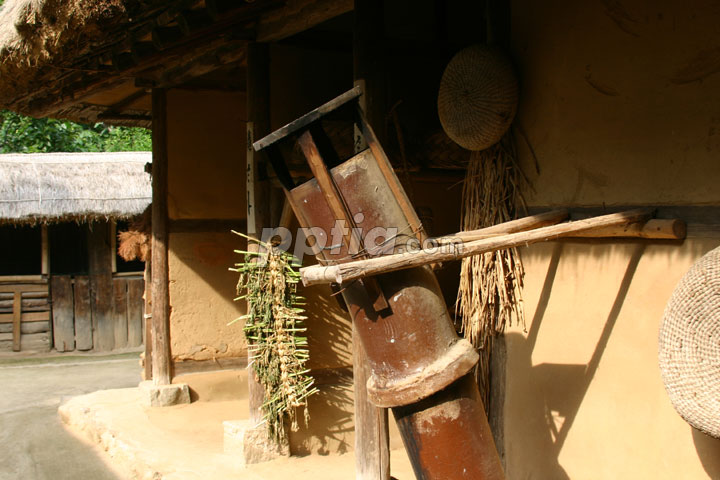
point(708, 449)
point(330, 428)
point(562, 387)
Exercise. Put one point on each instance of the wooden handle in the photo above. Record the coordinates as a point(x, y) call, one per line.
point(656, 229)
point(455, 251)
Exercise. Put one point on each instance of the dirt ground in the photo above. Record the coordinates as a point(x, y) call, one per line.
point(35, 445)
point(185, 442)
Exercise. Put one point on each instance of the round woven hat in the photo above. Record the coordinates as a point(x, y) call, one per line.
point(690, 345)
point(478, 97)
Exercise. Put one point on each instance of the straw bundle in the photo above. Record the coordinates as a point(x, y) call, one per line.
point(273, 326)
point(490, 292)
point(136, 241)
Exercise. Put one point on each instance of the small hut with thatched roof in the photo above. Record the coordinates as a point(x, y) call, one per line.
point(61, 283)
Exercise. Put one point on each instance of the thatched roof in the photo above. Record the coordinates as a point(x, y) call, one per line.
point(49, 187)
point(96, 60)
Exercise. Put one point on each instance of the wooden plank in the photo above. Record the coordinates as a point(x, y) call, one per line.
point(298, 16)
point(161, 360)
point(63, 313)
point(346, 272)
point(16, 314)
point(25, 295)
point(34, 342)
point(26, 287)
point(23, 279)
point(27, 327)
point(120, 320)
point(135, 305)
point(26, 317)
point(392, 180)
point(83, 314)
point(101, 286)
point(28, 304)
point(307, 119)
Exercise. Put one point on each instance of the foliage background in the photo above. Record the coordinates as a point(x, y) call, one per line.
point(21, 134)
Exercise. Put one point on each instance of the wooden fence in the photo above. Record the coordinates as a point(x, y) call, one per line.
point(70, 313)
point(24, 314)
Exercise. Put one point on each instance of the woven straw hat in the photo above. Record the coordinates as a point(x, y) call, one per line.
point(690, 345)
point(478, 97)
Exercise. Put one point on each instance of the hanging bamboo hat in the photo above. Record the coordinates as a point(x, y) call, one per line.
point(478, 97)
point(690, 345)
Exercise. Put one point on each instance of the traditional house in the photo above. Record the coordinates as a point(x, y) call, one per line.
point(617, 109)
point(62, 284)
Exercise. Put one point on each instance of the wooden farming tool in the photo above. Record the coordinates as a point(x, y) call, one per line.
point(633, 223)
point(420, 368)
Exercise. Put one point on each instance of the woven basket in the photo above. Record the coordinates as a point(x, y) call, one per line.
point(690, 345)
point(478, 97)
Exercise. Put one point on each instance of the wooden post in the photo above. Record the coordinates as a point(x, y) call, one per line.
point(258, 112)
point(160, 274)
point(147, 319)
point(45, 258)
point(372, 443)
point(17, 318)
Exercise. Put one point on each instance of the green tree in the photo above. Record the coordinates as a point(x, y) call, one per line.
point(21, 134)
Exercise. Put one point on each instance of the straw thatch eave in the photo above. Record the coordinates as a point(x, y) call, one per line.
point(76, 59)
point(55, 187)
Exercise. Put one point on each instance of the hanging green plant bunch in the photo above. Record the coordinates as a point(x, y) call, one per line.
point(273, 329)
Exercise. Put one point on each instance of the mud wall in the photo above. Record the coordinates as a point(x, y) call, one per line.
point(620, 105)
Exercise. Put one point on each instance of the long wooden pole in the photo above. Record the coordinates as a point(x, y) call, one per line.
point(160, 274)
point(372, 439)
point(346, 272)
point(258, 112)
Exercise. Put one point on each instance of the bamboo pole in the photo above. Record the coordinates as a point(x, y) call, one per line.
point(346, 272)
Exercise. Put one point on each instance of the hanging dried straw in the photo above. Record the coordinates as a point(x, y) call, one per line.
point(273, 326)
point(490, 292)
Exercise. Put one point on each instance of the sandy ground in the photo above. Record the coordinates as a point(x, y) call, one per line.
point(34, 444)
point(186, 441)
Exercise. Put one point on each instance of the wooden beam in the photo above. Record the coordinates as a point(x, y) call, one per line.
point(346, 272)
point(39, 287)
point(25, 317)
point(161, 360)
point(372, 439)
point(258, 113)
point(297, 16)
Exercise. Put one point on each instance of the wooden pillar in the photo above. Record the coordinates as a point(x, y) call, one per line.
point(258, 114)
point(372, 444)
point(147, 319)
point(160, 274)
point(45, 258)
